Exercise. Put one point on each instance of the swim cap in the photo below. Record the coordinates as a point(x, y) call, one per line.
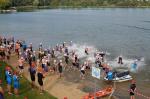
point(54, 60)
point(60, 61)
point(22, 58)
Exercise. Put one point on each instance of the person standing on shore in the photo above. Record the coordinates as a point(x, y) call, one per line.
point(60, 68)
point(132, 89)
point(83, 67)
point(9, 79)
point(54, 68)
point(21, 67)
point(32, 71)
point(40, 76)
point(17, 48)
point(16, 83)
point(66, 56)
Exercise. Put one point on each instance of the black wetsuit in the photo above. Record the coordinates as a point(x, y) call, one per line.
point(53, 54)
point(98, 63)
point(102, 55)
point(120, 60)
point(32, 73)
point(66, 59)
point(60, 68)
point(86, 52)
point(66, 51)
point(132, 88)
point(40, 79)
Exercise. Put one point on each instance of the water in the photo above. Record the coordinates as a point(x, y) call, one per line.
point(119, 31)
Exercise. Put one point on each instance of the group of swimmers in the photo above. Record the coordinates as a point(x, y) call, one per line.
point(42, 61)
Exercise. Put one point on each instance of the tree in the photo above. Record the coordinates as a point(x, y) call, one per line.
point(36, 2)
point(4, 4)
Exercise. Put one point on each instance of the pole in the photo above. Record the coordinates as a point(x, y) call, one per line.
point(113, 88)
point(95, 90)
point(115, 82)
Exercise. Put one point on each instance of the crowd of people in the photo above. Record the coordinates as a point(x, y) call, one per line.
point(42, 61)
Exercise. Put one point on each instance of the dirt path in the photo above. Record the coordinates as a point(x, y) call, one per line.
point(54, 85)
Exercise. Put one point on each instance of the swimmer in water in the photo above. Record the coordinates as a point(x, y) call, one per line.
point(86, 51)
point(120, 60)
point(102, 54)
point(82, 75)
point(134, 66)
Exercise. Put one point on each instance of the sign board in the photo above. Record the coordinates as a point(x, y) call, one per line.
point(96, 72)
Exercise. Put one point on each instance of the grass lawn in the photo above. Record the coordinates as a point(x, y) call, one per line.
point(25, 88)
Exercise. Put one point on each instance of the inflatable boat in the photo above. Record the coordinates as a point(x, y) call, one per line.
point(101, 93)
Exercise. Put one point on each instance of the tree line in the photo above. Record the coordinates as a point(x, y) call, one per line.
point(5, 4)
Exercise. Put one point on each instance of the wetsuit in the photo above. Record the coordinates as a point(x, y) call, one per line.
point(98, 62)
point(83, 69)
point(66, 50)
point(32, 73)
point(102, 55)
point(132, 89)
point(60, 67)
point(120, 60)
point(86, 52)
point(40, 78)
point(66, 59)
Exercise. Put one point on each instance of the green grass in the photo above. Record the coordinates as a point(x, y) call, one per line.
point(25, 88)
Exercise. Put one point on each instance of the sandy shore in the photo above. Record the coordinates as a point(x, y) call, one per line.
point(59, 87)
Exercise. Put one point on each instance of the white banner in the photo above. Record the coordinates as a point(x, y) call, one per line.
point(96, 72)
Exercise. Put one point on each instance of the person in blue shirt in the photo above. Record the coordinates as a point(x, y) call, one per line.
point(134, 66)
point(16, 83)
point(8, 79)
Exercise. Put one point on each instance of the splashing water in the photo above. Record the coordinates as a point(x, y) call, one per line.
point(127, 63)
point(80, 51)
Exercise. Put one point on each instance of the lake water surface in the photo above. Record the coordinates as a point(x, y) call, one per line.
point(124, 31)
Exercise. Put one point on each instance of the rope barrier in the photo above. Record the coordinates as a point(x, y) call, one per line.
point(137, 93)
point(140, 94)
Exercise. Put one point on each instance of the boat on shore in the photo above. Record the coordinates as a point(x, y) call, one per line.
point(118, 76)
point(101, 93)
point(11, 10)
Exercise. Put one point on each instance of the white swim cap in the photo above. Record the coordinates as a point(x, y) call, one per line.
point(54, 60)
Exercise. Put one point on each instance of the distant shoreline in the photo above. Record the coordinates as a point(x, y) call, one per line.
point(33, 8)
